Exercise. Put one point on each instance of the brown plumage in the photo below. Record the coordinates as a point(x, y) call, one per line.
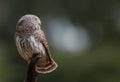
point(31, 42)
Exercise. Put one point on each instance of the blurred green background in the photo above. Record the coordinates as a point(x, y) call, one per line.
point(83, 36)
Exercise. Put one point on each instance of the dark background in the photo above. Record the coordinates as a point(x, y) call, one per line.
point(83, 37)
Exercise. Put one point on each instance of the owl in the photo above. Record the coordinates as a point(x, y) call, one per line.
point(32, 45)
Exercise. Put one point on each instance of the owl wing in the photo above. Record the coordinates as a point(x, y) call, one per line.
point(45, 44)
point(45, 64)
point(40, 38)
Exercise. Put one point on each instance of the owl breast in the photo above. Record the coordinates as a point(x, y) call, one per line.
point(37, 46)
point(29, 46)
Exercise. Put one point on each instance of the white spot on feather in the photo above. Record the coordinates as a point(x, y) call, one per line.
point(36, 46)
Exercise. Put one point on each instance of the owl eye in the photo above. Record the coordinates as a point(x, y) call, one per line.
point(38, 21)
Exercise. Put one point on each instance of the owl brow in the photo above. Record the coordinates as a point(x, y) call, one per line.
point(21, 23)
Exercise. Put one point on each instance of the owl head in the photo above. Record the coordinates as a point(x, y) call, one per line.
point(28, 23)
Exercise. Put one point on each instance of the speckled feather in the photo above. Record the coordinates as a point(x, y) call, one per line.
point(30, 40)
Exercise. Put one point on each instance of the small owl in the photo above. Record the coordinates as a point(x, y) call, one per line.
point(31, 42)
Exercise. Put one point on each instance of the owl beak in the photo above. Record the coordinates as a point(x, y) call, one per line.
point(39, 23)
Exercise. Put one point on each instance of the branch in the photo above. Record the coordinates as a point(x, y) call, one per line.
point(31, 73)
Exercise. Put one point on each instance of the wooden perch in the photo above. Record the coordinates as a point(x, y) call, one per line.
point(31, 73)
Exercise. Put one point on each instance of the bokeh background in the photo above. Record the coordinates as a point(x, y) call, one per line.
point(83, 37)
